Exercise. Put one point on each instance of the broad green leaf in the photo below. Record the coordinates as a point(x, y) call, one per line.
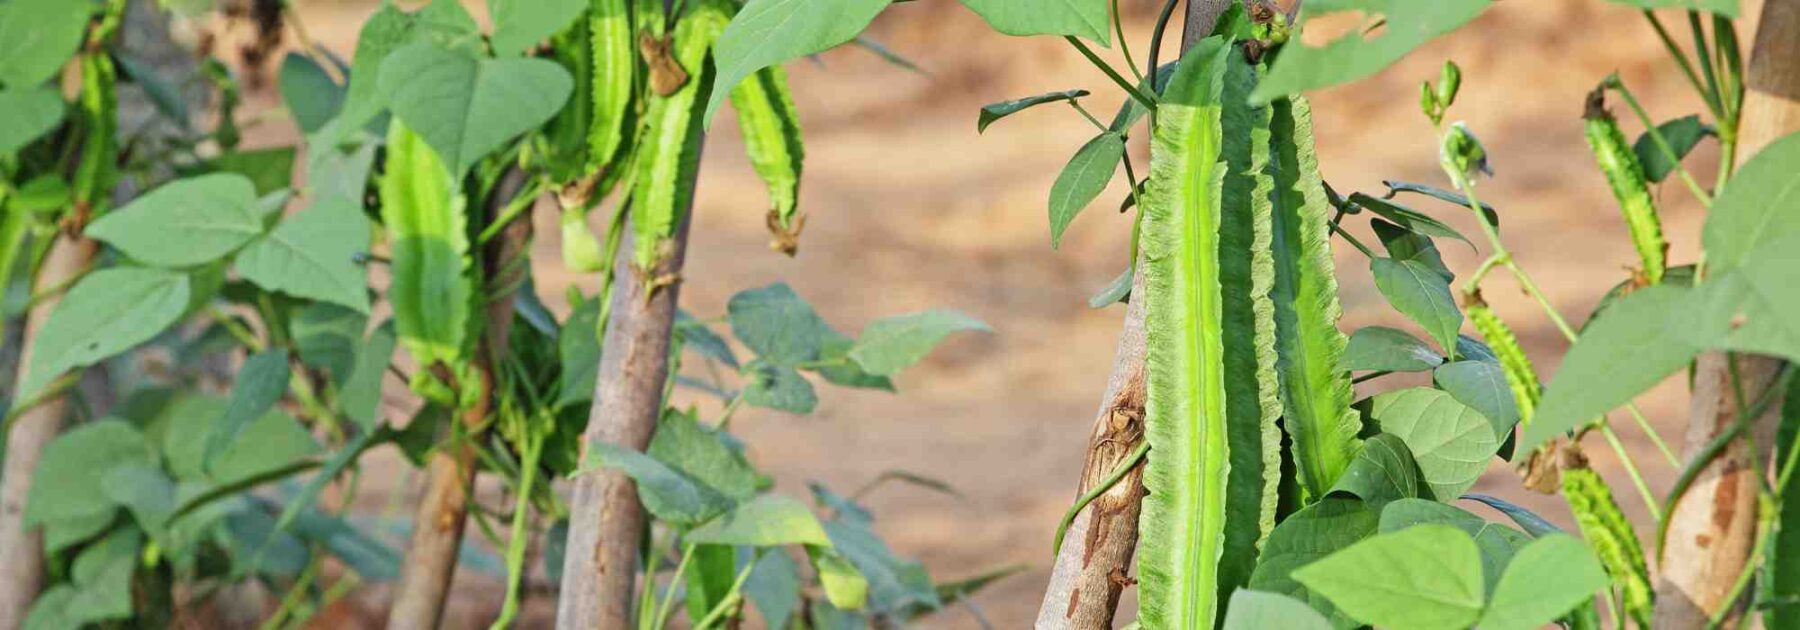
point(1082, 180)
point(327, 336)
point(521, 24)
point(776, 324)
point(768, 520)
point(1396, 187)
point(444, 22)
point(668, 494)
point(770, 32)
point(1498, 543)
point(1407, 218)
point(844, 586)
point(837, 368)
point(1683, 135)
point(26, 114)
point(1482, 386)
point(1727, 8)
point(1403, 244)
point(466, 107)
point(578, 348)
point(1256, 610)
point(314, 255)
point(894, 343)
point(184, 223)
point(1383, 471)
point(51, 610)
point(774, 588)
point(699, 337)
point(269, 170)
point(309, 93)
point(144, 490)
point(996, 111)
point(427, 225)
point(1421, 294)
point(1546, 580)
point(359, 395)
point(1755, 208)
point(102, 576)
point(1383, 349)
point(1451, 442)
point(1184, 518)
point(778, 387)
point(272, 442)
point(261, 382)
point(37, 37)
point(68, 484)
point(706, 455)
point(335, 173)
point(107, 312)
point(894, 583)
point(1634, 345)
point(1427, 576)
point(1316, 531)
point(1078, 18)
point(1315, 386)
point(1356, 55)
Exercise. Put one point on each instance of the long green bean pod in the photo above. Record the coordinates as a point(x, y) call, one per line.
point(1609, 533)
point(1629, 185)
point(568, 133)
point(427, 228)
point(669, 159)
point(99, 107)
point(771, 126)
point(613, 88)
point(1521, 378)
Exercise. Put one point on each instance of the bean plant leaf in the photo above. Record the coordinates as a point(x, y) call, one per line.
point(845, 586)
point(1451, 442)
point(778, 387)
point(1545, 580)
point(894, 583)
point(107, 312)
point(1635, 344)
point(184, 223)
point(359, 396)
point(707, 456)
point(308, 91)
point(668, 494)
point(1355, 55)
point(1427, 576)
point(1727, 8)
point(1498, 543)
point(1256, 610)
point(261, 382)
point(26, 114)
point(1407, 218)
point(996, 111)
point(777, 325)
point(521, 24)
point(444, 22)
point(1316, 531)
point(837, 368)
point(1530, 521)
point(1077, 18)
point(774, 588)
point(1383, 349)
point(1395, 187)
point(74, 467)
point(1383, 471)
point(1754, 209)
point(314, 254)
point(1683, 134)
point(769, 32)
point(578, 349)
point(1421, 294)
point(1482, 386)
point(894, 343)
point(1404, 244)
point(768, 520)
point(1082, 180)
point(37, 37)
point(466, 107)
point(326, 337)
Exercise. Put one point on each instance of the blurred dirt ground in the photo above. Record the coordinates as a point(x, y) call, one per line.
point(908, 208)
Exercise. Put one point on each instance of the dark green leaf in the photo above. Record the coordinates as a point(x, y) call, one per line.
point(774, 588)
point(1382, 472)
point(107, 312)
point(26, 114)
point(778, 387)
point(837, 368)
point(668, 494)
point(1383, 349)
point(37, 37)
point(1482, 386)
point(777, 325)
point(1498, 543)
point(707, 456)
point(1316, 531)
point(578, 348)
point(770, 32)
point(1456, 199)
point(700, 337)
point(327, 337)
point(996, 111)
point(893, 583)
point(1533, 524)
point(314, 255)
point(1546, 580)
point(894, 343)
point(769, 520)
point(1421, 294)
point(1450, 442)
point(466, 107)
point(359, 395)
point(68, 485)
point(1355, 55)
point(1082, 180)
point(260, 384)
point(1406, 218)
point(443, 21)
point(310, 94)
point(1402, 244)
point(521, 24)
point(1683, 134)
point(1427, 576)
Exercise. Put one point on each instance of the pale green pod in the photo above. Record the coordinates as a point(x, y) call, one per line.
point(1629, 185)
point(771, 127)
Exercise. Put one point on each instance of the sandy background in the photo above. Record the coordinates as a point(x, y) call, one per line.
point(909, 209)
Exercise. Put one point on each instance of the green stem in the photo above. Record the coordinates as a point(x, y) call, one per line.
point(295, 595)
point(732, 597)
point(730, 410)
point(517, 205)
point(1084, 114)
point(1352, 240)
point(1156, 37)
point(1655, 438)
point(1631, 470)
point(1112, 479)
point(668, 598)
point(1712, 94)
point(1681, 59)
point(647, 601)
point(1132, 187)
point(1149, 103)
point(1118, 20)
point(515, 545)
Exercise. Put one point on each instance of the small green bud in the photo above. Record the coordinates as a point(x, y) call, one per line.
point(1462, 155)
point(1449, 81)
point(1428, 101)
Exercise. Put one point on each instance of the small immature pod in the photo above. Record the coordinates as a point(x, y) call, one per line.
point(1608, 532)
point(771, 127)
point(1629, 185)
point(1520, 376)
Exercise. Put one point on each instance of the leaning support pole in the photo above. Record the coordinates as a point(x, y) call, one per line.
point(430, 564)
point(606, 523)
point(1093, 565)
point(1712, 529)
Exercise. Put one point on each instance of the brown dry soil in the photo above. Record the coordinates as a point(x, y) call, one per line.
point(908, 208)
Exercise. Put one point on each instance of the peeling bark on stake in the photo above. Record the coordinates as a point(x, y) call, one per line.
point(606, 522)
point(1093, 566)
point(430, 563)
point(1712, 529)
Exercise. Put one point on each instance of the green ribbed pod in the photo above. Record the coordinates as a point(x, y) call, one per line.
point(668, 160)
point(613, 63)
point(1521, 378)
point(427, 229)
point(1626, 177)
point(1609, 533)
point(771, 127)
